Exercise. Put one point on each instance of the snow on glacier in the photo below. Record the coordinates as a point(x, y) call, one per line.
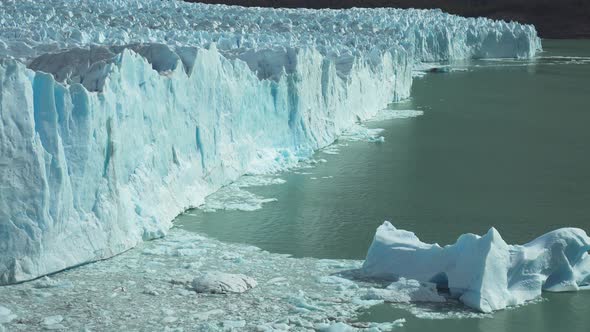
point(118, 115)
point(484, 272)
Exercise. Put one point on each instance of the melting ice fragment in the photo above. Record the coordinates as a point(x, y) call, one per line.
point(53, 323)
point(484, 272)
point(406, 291)
point(357, 327)
point(222, 283)
point(6, 315)
point(233, 197)
point(389, 114)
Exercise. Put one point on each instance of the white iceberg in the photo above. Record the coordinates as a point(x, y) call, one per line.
point(109, 130)
point(484, 272)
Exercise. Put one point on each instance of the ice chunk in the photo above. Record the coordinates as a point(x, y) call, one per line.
point(484, 272)
point(207, 314)
point(222, 283)
point(388, 326)
point(233, 325)
point(389, 114)
point(405, 291)
point(233, 197)
point(6, 316)
point(336, 327)
point(368, 327)
point(53, 323)
point(359, 132)
point(47, 282)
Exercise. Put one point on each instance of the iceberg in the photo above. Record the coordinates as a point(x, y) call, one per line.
point(118, 115)
point(222, 283)
point(484, 272)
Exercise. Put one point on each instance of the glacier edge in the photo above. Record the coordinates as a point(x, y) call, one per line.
point(96, 196)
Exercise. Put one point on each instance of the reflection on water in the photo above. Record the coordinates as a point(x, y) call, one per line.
point(503, 144)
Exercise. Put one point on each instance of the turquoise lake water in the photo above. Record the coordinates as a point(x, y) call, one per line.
point(501, 143)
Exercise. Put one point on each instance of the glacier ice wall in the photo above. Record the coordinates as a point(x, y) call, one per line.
point(115, 116)
point(484, 272)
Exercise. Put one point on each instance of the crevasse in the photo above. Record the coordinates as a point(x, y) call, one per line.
point(116, 116)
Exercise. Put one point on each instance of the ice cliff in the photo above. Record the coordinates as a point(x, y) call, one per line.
point(115, 116)
point(484, 272)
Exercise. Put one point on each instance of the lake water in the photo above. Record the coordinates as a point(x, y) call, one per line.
point(502, 144)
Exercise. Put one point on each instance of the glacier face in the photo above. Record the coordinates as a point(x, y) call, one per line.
point(484, 272)
point(118, 115)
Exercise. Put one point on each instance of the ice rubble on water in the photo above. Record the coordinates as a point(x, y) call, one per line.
point(119, 115)
point(484, 272)
point(157, 287)
point(222, 283)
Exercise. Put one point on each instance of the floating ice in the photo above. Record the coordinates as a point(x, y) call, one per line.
point(406, 291)
point(233, 197)
point(234, 325)
point(357, 327)
point(292, 293)
point(53, 323)
point(47, 282)
point(221, 283)
point(336, 327)
point(484, 272)
point(389, 114)
point(332, 149)
point(119, 115)
point(257, 181)
point(358, 132)
point(6, 316)
point(206, 315)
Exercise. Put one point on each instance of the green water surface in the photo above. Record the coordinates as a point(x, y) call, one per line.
point(503, 144)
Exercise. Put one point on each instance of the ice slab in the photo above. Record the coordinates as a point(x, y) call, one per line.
point(235, 197)
point(6, 316)
point(372, 327)
point(406, 290)
point(484, 272)
point(390, 114)
point(221, 283)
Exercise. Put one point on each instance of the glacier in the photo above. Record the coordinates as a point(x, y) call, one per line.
point(484, 272)
point(117, 115)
